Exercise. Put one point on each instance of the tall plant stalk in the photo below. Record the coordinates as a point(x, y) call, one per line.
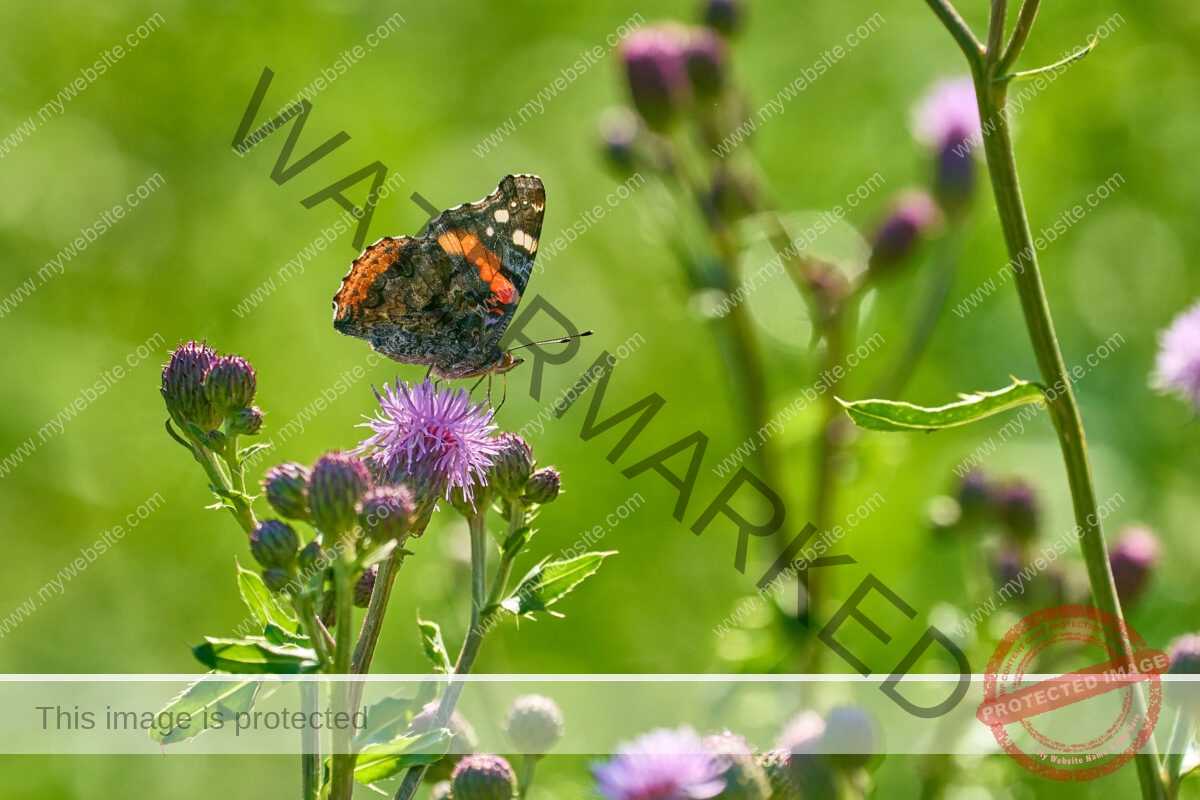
point(990, 67)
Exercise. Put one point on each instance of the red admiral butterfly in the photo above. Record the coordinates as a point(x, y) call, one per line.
point(445, 299)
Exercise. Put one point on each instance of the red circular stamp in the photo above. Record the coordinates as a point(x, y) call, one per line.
point(1088, 716)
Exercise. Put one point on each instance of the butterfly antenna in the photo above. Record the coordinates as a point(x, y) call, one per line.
point(560, 340)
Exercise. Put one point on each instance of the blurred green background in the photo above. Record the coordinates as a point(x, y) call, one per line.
point(421, 101)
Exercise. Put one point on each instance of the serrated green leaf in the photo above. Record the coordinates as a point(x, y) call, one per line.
point(435, 646)
point(382, 761)
point(255, 655)
point(250, 450)
point(277, 635)
point(204, 697)
point(549, 581)
point(888, 415)
point(387, 720)
point(263, 604)
point(516, 540)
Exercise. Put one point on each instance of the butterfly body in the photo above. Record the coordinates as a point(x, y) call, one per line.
point(445, 299)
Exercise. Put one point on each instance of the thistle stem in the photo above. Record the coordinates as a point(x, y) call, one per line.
point(310, 745)
point(1181, 736)
point(342, 780)
point(1064, 410)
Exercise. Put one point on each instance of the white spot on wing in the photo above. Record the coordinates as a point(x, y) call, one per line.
point(523, 239)
point(502, 216)
point(490, 231)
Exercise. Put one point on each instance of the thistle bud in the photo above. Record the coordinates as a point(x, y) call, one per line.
point(744, 778)
point(802, 733)
point(338, 481)
point(849, 739)
point(286, 487)
point(1017, 510)
point(543, 487)
point(276, 579)
point(386, 513)
point(618, 132)
point(1133, 560)
point(483, 777)
point(311, 559)
point(183, 387)
point(776, 764)
point(1005, 564)
point(364, 587)
point(657, 76)
point(704, 58)
point(274, 544)
point(975, 496)
point(954, 181)
point(511, 467)
point(462, 740)
point(248, 421)
point(534, 724)
point(911, 217)
point(1184, 654)
point(723, 16)
point(440, 791)
point(230, 384)
point(476, 504)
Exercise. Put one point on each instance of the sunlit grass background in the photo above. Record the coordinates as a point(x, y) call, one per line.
point(421, 102)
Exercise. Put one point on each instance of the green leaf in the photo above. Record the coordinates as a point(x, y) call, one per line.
point(516, 540)
point(203, 701)
point(435, 647)
point(263, 604)
point(277, 635)
point(255, 655)
point(888, 415)
point(549, 581)
point(387, 720)
point(382, 761)
point(250, 450)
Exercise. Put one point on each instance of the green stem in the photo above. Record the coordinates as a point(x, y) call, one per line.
point(1019, 37)
point(310, 745)
point(216, 476)
point(525, 775)
point(1064, 410)
point(342, 779)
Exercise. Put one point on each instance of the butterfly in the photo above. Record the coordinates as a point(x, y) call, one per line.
point(444, 299)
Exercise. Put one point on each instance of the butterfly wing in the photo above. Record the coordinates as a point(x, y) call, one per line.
point(446, 298)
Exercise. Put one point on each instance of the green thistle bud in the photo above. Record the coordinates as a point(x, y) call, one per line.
point(286, 487)
point(183, 387)
point(230, 385)
point(512, 466)
point(849, 739)
point(276, 579)
point(336, 485)
point(777, 766)
point(364, 587)
point(744, 778)
point(462, 740)
point(543, 487)
point(309, 559)
point(534, 724)
point(386, 513)
point(274, 544)
point(483, 777)
point(248, 421)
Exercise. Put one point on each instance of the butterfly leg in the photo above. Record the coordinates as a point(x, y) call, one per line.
point(503, 396)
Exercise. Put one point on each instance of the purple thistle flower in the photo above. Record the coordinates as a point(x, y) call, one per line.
point(912, 216)
point(661, 765)
point(658, 82)
point(1133, 559)
point(948, 115)
point(421, 430)
point(1177, 369)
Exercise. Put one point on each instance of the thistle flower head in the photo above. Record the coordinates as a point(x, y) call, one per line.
point(430, 434)
point(654, 66)
point(286, 488)
point(723, 16)
point(1017, 509)
point(948, 115)
point(1184, 654)
point(230, 384)
point(777, 766)
point(387, 512)
point(338, 481)
point(1177, 368)
point(274, 544)
point(1133, 559)
point(913, 214)
point(849, 739)
point(704, 58)
point(512, 466)
point(544, 486)
point(801, 733)
point(462, 740)
point(661, 765)
point(744, 778)
point(618, 136)
point(183, 387)
point(483, 777)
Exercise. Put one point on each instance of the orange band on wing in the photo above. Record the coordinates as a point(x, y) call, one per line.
point(467, 244)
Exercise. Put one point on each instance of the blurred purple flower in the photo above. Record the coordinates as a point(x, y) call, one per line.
point(661, 765)
point(912, 216)
point(802, 733)
point(1133, 558)
point(947, 115)
point(1177, 369)
point(420, 428)
point(658, 82)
